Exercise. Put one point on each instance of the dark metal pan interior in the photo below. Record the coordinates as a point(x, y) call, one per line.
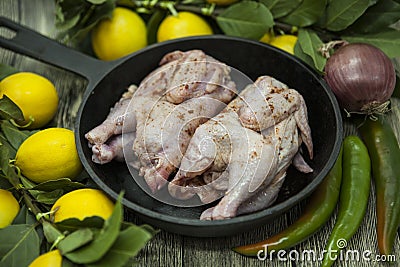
point(253, 59)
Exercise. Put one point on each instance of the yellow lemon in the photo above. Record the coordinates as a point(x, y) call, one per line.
point(35, 95)
point(285, 42)
point(182, 25)
point(49, 154)
point(49, 259)
point(9, 208)
point(267, 38)
point(82, 203)
point(124, 33)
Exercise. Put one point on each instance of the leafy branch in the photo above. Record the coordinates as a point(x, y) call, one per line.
point(92, 241)
point(369, 21)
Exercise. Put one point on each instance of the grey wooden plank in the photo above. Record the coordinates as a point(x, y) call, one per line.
point(217, 251)
point(163, 250)
point(39, 15)
point(8, 9)
point(70, 87)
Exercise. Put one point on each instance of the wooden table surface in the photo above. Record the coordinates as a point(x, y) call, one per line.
point(168, 249)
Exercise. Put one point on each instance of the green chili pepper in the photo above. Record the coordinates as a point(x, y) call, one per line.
point(385, 156)
point(353, 200)
point(321, 205)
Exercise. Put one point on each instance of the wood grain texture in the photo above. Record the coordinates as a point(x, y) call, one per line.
point(170, 249)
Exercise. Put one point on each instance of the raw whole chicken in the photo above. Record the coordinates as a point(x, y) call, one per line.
point(159, 117)
point(242, 154)
point(239, 156)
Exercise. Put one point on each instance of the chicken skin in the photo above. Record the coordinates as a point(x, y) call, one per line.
point(160, 116)
point(242, 154)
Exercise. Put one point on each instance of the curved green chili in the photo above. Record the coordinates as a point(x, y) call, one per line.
point(353, 200)
point(320, 206)
point(385, 156)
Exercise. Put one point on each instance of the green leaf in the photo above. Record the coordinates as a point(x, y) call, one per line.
point(14, 136)
point(4, 182)
point(388, 41)
point(9, 110)
point(68, 24)
point(309, 12)
point(73, 224)
point(377, 18)
point(24, 216)
point(280, 8)
point(76, 18)
point(246, 19)
point(87, 23)
point(342, 13)
point(66, 184)
point(4, 159)
point(6, 70)
point(51, 232)
point(28, 184)
point(19, 245)
point(75, 240)
point(50, 197)
point(95, 250)
point(68, 263)
point(4, 142)
point(149, 229)
point(68, 14)
point(310, 43)
point(298, 52)
point(129, 242)
point(152, 25)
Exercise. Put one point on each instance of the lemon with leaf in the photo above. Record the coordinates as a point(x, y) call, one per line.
point(184, 24)
point(82, 203)
point(34, 94)
point(48, 155)
point(9, 208)
point(267, 38)
point(124, 33)
point(49, 259)
point(285, 42)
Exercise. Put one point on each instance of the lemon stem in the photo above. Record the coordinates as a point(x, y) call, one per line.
point(55, 244)
point(44, 215)
point(51, 232)
point(208, 10)
point(147, 6)
point(170, 6)
point(31, 120)
point(15, 182)
point(29, 203)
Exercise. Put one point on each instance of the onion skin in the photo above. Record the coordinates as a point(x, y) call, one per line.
point(361, 76)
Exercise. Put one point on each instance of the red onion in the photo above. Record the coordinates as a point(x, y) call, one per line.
point(361, 76)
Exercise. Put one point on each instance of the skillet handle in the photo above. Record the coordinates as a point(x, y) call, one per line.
point(35, 45)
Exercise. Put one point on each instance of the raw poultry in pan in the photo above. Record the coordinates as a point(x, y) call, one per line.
point(161, 115)
point(242, 154)
point(239, 155)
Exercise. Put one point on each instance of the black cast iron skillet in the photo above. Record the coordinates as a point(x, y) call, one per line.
point(107, 81)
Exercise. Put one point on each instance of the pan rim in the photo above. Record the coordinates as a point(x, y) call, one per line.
point(274, 210)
